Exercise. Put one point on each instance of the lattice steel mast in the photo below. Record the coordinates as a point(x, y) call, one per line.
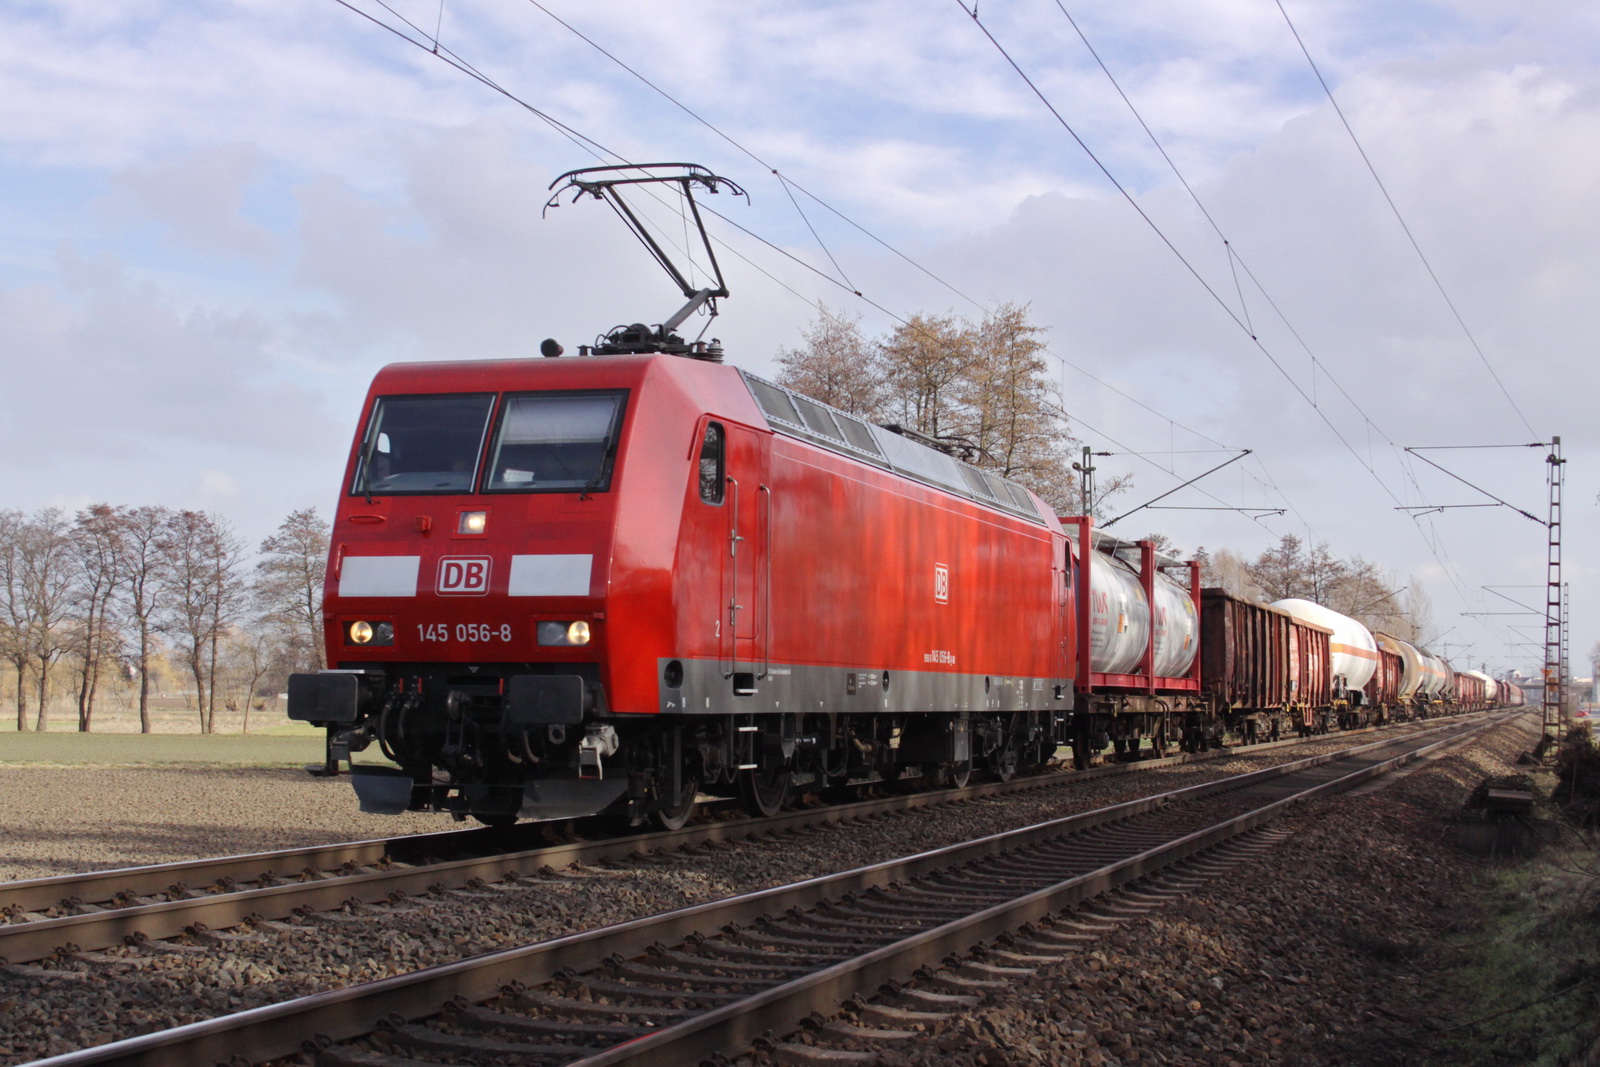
point(1555, 650)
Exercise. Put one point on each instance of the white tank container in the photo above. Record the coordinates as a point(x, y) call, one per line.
point(1119, 620)
point(1353, 650)
point(1435, 675)
point(1412, 664)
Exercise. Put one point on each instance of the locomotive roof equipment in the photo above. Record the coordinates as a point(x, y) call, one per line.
point(607, 184)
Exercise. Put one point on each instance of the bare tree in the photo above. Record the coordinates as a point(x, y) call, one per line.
point(1324, 574)
point(1011, 409)
point(837, 366)
point(96, 552)
point(288, 587)
point(1280, 572)
point(1224, 569)
point(1369, 594)
point(926, 360)
point(1353, 587)
point(200, 559)
point(249, 654)
point(46, 586)
point(1290, 570)
point(13, 607)
point(139, 567)
point(984, 388)
point(1418, 613)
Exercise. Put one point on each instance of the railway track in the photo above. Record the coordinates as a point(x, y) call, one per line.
point(81, 913)
point(711, 979)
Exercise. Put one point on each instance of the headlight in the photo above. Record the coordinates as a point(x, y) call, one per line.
point(556, 634)
point(362, 632)
point(473, 522)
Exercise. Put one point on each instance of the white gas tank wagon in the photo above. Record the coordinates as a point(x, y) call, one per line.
point(1354, 651)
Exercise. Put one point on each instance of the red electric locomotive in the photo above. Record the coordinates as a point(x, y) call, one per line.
point(562, 584)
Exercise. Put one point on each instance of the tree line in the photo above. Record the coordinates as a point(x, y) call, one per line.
point(1351, 586)
point(981, 390)
point(103, 594)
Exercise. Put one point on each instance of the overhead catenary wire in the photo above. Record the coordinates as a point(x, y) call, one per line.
point(1167, 241)
point(445, 55)
point(603, 153)
point(1433, 544)
point(790, 186)
point(1400, 218)
point(1235, 262)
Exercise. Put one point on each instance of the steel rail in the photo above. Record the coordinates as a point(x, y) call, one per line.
point(35, 894)
point(22, 942)
point(732, 1028)
point(282, 1029)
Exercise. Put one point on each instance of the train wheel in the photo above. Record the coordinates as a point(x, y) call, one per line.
point(957, 775)
point(1080, 743)
point(1003, 764)
point(764, 792)
point(677, 814)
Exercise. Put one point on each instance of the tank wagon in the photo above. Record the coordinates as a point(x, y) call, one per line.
point(1138, 632)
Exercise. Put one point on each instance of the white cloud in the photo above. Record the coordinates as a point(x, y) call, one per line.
point(198, 197)
point(217, 488)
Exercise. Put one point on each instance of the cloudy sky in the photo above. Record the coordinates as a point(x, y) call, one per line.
point(217, 221)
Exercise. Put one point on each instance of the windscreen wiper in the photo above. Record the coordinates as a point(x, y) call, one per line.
point(366, 464)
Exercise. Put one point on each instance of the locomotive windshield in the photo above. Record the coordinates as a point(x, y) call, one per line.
point(423, 444)
point(556, 442)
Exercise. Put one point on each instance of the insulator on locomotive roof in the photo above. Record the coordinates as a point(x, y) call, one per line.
point(949, 446)
point(638, 338)
point(550, 348)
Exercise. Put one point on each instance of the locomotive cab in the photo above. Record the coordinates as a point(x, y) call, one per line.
point(499, 536)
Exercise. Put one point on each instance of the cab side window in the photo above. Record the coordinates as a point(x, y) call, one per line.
point(711, 464)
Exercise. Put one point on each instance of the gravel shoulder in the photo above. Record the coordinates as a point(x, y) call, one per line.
point(1331, 950)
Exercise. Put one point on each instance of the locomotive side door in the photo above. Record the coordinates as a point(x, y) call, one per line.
point(747, 563)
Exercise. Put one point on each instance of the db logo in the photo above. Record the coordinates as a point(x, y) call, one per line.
point(464, 575)
point(941, 583)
